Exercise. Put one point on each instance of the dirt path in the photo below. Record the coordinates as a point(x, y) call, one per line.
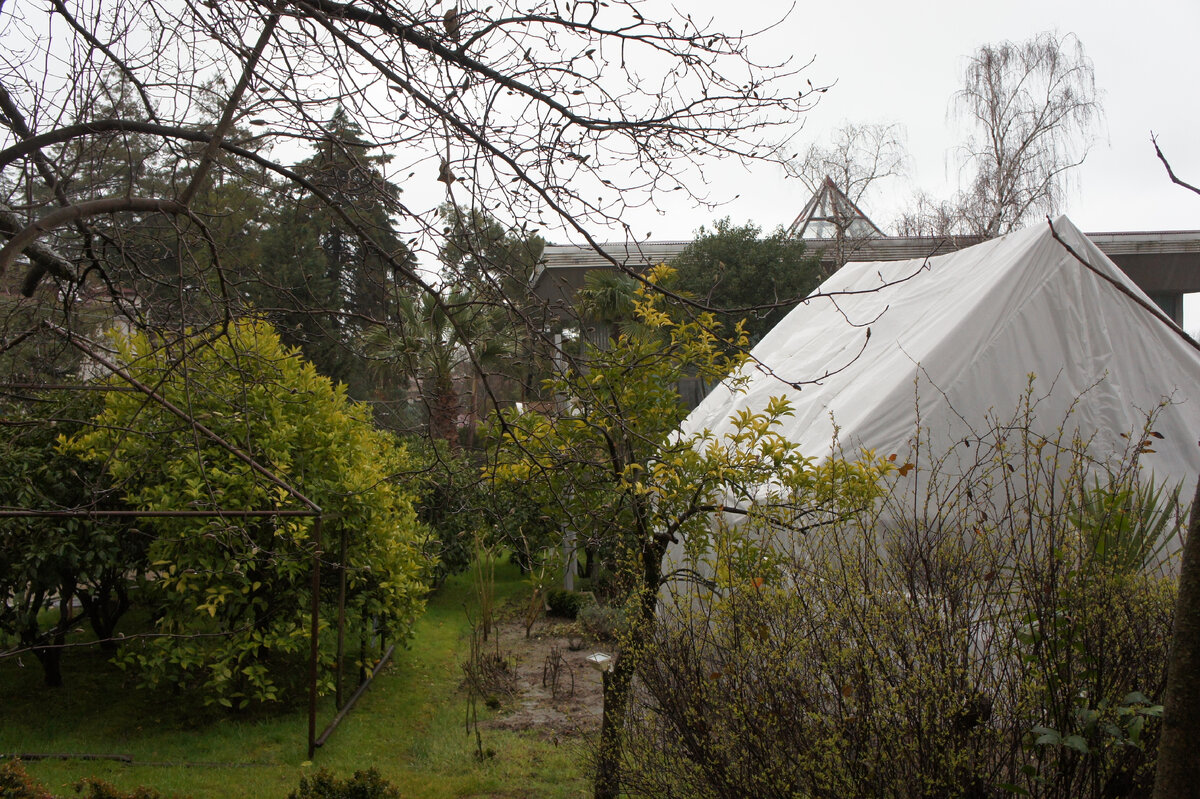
point(554, 690)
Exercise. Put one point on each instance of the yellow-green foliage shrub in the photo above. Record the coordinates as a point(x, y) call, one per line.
point(231, 595)
point(367, 784)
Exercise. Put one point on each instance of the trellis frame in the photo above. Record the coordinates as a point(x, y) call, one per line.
point(310, 509)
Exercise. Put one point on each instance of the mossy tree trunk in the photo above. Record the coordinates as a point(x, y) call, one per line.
point(618, 683)
point(1178, 769)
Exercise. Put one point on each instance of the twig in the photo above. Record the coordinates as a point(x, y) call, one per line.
point(1125, 290)
point(1170, 172)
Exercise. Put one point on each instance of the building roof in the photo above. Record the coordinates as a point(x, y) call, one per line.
point(1160, 262)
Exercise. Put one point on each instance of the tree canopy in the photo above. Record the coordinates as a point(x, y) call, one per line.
point(745, 275)
point(479, 250)
point(514, 110)
point(56, 562)
point(322, 284)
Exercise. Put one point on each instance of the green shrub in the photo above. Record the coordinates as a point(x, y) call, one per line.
point(520, 524)
point(567, 604)
point(448, 502)
point(363, 785)
point(15, 783)
point(1006, 634)
point(602, 622)
point(232, 595)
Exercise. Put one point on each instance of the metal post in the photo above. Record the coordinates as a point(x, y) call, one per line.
point(337, 690)
point(363, 642)
point(314, 649)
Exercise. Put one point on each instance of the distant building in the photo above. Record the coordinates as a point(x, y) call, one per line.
point(1164, 263)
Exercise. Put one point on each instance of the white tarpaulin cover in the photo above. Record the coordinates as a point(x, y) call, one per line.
point(962, 332)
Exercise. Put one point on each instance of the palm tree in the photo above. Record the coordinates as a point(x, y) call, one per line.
point(434, 339)
point(607, 302)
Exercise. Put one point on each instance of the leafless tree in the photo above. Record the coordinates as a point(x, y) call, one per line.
point(929, 216)
point(1032, 108)
point(559, 115)
point(858, 156)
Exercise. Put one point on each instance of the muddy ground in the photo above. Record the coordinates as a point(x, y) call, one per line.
point(549, 687)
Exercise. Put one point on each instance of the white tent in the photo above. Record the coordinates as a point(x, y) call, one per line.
point(961, 333)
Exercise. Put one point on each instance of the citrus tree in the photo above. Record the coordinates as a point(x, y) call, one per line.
point(231, 594)
point(670, 513)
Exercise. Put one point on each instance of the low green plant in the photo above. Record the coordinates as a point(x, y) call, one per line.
point(544, 570)
point(603, 622)
point(567, 604)
point(483, 578)
point(1126, 527)
point(92, 788)
point(15, 783)
point(1121, 724)
point(367, 784)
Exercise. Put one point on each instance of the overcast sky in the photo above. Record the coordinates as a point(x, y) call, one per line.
point(902, 62)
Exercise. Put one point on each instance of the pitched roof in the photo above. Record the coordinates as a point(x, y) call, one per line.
point(830, 212)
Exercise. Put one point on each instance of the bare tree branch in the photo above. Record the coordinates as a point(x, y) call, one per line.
point(44, 259)
point(1170, 173)
point(55, 219)
point(232, 106)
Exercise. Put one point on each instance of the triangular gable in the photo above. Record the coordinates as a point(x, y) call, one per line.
point(830, 212)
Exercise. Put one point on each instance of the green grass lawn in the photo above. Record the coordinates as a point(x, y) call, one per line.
point(409, 725)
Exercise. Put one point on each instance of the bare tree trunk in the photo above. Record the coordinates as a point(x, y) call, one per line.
point(472, 413)
point(1178, 772)
point(48, 647)
point(443, 410)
